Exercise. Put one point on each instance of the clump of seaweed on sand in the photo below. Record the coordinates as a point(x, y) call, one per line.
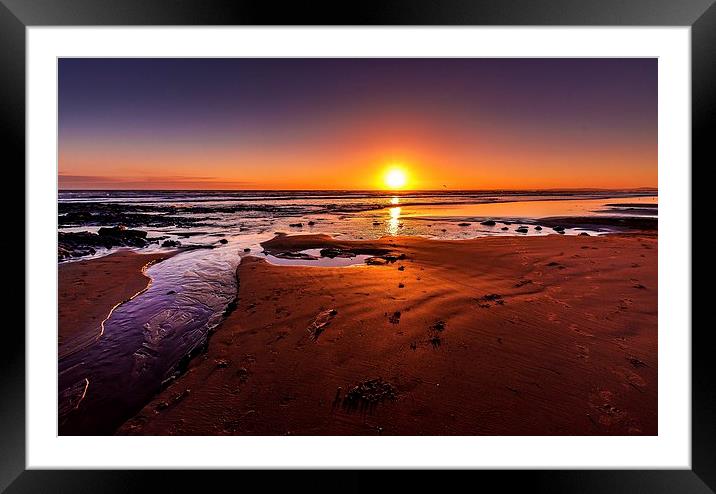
point(365, 396)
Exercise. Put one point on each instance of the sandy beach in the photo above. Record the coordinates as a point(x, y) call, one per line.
point(540, 335)
point(88, 290)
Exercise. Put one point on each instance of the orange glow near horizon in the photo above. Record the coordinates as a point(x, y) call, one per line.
point(360, 165)
point(360, 157)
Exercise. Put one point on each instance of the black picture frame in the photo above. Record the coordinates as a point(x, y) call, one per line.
point(17, 15)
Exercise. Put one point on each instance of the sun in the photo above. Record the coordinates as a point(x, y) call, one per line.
point(395, 178)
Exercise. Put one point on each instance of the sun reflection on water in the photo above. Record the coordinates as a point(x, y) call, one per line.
point(394, 220)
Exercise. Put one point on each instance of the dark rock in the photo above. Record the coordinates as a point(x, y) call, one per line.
point(121, 232)
point(133, 215)
point(394, 317)
point(247, 249)
point(223, 241)
point(65, 252)
point(584, 234)
point(463, 224)
point(488, 223)
point(296, 225)
point(484, 301)
point(636, 362)
point(538, 228)
point(522, 229)
point(331, 253)
point(435, 340)
point(156, 240)
point(78, 244)
point(504, 228)
point(295, 255)
point(75, 218)
point(230, 307)
point(311, 223)
point(384, 259)
point(171, 243)
point(438, 326)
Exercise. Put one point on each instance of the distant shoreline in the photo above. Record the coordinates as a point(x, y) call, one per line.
point(199, 219)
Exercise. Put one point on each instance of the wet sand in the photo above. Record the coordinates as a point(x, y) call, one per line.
point(497, 336)
point(88, 290)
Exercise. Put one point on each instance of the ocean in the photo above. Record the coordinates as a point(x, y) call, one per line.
point(247, 218)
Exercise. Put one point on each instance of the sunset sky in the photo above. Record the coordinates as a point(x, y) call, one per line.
point(344, 123)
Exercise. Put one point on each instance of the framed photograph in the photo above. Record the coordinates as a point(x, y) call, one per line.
point(419, 236)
